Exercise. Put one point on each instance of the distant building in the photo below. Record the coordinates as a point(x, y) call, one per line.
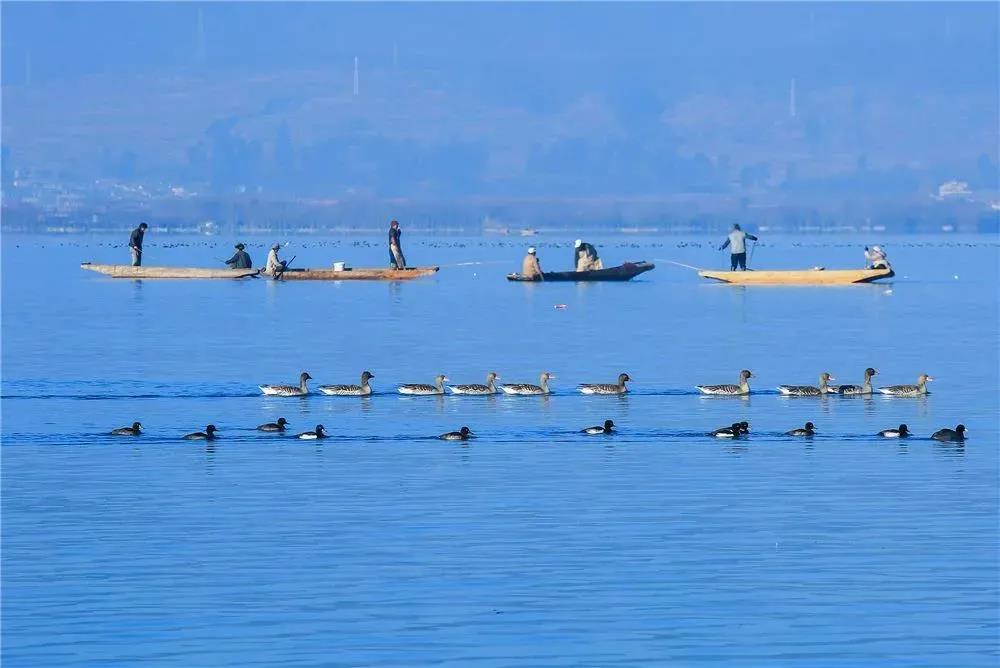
point(953, 189)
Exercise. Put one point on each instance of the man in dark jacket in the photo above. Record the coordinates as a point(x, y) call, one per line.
point(240, 259)
point(135, 244)
point(396, 258)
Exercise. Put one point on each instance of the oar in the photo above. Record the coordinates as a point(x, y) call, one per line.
point(752, 249)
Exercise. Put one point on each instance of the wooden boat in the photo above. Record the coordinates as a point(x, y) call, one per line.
point(623, 272)
point(799, 276)
point(128, 271)
point(357, 274)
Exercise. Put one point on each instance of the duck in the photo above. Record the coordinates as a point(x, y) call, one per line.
point(864, 388)
point(362, 390)
point(956, 434)
point(527, 388)
point(318, 433)
point(733, 431)
point(274, 426)
point(808, 390)
point(607, 388)
point(808, 430)
point(606, 429)
point(207, 435)
point(288, 390)
point(908, 390)
point(134, 430)
point(900, 432)
point(422, 388)
point(729, 390)
point(475, 388)
point(462, 434)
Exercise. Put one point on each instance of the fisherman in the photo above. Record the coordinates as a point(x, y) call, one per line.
point(274, 266)
point(585, 256)
point(135, 244)
point(738, 252)
point(240, 259)
point(530, 267)
point(396, 259)
point(875, 258)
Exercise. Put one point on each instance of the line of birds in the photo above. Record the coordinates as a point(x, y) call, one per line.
point(364, 388)
point(735, 430)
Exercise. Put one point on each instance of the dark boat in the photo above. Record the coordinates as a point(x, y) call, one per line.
point(624, 272)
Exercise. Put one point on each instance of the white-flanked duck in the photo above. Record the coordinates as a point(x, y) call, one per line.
point(318, 433)
point(864, 388)
point(528, 388)
point(462, 434)
point(729, 390)
point(362, 390)
point(274, 426)
point(808, 390)
point(908, 390)
point(956, 434)
point(902, 431)
point(607, 388)
point(475, 388)
point(606, 429)
point(207, 435)
point(733, 431)
point(134, 430)
point(299, 390)
point(808, 430)
point(423, 388)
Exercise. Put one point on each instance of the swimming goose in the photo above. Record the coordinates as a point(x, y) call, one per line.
point(362, 390)
point(288, 390)
point(527, 388)
point(808, 430)
point(606, 429)
point(864, 388)
point(274, 426)
point(607, 388)
point(730, 390)
point(956, 434)
point(908, 390)
point(422, 388)
point(312, 435)
point(734, 431)
point(462, 434)
point(134, 430)
point(207, 435)
point(900, 432)
point(475, 388)
point(808, 390)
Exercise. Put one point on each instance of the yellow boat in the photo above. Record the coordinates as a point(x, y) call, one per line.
point(816, 276)
point(128, 271)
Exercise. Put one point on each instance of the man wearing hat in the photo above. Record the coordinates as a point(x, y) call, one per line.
point(274, 266)
point(585, 256)
point(240, 259)
point(530, 267)
point(396, 258)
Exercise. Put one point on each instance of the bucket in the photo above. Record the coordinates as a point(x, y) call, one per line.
point(338, 266)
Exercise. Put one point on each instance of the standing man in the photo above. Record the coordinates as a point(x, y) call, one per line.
point(737, 239)
point(530, 266)
point(396, 259)
point(135, 244)
point(240, 259)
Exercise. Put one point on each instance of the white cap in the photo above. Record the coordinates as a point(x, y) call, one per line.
point(877, 249)
point(531, 249)
point(577, 243)
point(276, 246)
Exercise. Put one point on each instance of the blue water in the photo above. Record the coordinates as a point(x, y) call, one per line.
point(531, 545)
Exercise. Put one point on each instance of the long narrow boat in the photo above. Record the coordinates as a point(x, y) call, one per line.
point(799, 276)
point(357, 274)
point(128, 271)
point(623, 272)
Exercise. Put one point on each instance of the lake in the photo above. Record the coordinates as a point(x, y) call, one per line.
point(531, 544)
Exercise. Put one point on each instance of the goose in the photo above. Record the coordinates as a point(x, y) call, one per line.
point(606, 429)
point(274, 426)
point(462, 434)
point(900, 432)
point(730, 390)
point(288, 390)
point(475, 388)
point(908, 390)
point(312, 435)
point(207, 435)
point(607, 388)
point(808, 430)
point(134, 430)
point(362, 390)
point(421, 388)
point(527, 388)
point(808, 390)
point(956, 434)
point(733, 431)
point(864, 388)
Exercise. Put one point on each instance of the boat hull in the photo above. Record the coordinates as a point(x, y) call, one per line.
point(128, 271)
point(799, 277)
point(624, 272)
point(359, 274)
